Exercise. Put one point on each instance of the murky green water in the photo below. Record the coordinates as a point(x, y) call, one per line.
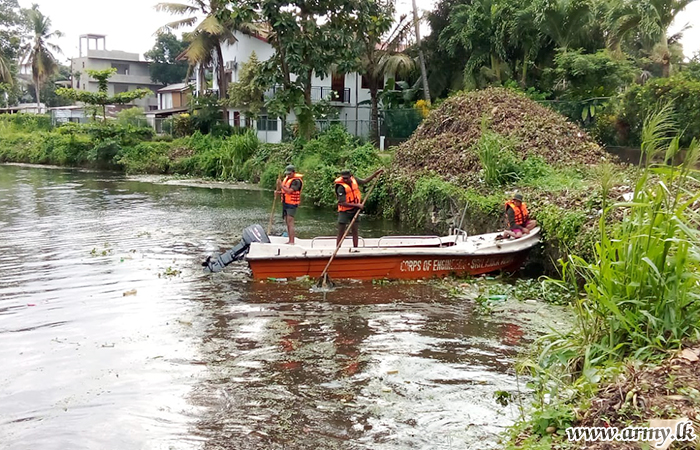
point(215, 361)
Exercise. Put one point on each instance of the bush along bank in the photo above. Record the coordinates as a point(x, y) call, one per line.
point(134, 150)
point(633, 355)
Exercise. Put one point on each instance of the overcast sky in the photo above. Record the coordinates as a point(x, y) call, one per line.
point(130, 24)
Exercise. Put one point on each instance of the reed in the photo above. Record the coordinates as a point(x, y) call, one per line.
point(640, 294)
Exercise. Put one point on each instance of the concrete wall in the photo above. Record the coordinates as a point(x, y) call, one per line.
point(138, 77)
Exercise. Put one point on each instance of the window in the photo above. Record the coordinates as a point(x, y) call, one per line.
point(365, 83)
point(83, 66)
point(267, 124)
point(122, 69)
point(120, 88)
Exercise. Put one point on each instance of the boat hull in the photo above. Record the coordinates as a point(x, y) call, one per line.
point(400, 267)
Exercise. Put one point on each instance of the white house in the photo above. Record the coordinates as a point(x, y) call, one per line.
point(348, 89)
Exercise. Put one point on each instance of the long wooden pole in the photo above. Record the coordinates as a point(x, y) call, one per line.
point(272, 213)
point(324, 274)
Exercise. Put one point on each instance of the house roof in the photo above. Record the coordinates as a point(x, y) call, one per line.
point(177, 87)
point(166, 112)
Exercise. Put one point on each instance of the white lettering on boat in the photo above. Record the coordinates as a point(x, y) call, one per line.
point(454, 265)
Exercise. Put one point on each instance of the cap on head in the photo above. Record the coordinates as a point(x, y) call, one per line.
point(290, 169)
point(345, 173)
point(518, 197)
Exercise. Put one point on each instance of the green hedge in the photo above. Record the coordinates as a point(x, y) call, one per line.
point(639, 101)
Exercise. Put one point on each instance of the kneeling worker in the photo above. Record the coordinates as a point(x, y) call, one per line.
point(519, 221)
point(347, 189)
point(290, 188)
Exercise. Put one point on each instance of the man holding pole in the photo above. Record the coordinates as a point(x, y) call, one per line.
point(290, 189)
point(347, 189)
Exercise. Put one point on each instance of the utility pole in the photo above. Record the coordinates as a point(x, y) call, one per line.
point(421, 57)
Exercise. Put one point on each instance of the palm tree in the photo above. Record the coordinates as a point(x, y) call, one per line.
point(215, 29)
point(646, 21)
point(567, 23)
point(478, 28)
point(382, 59)
point(5, 71)
point(39, 50)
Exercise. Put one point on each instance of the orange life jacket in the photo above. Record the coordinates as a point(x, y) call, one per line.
point(295, 197)
point(352, 193)
point(521, 214)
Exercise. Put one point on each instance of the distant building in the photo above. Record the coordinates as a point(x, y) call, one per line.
point(173, 99)
point(132, 73)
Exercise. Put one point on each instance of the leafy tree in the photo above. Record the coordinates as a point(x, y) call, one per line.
point(309, 37)
point(164, 67)
point(39, 50)
point(101, 98)
point(10, 20)
point(645, 23)
point(215, 29)
point(248, 91)
point(481, 29)
point(583, 76)
point(48, 89)
point(569, 23)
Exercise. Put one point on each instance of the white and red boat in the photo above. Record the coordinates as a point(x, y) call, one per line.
point(392, 257)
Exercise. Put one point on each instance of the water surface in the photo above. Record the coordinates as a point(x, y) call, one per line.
point(112, 337)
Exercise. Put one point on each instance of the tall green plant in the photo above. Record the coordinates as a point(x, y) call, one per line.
point(497, 159)
point(641, 290)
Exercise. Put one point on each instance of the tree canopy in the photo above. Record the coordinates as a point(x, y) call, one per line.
point(164, 67)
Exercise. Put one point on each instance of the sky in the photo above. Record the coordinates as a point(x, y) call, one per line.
point(130, 24)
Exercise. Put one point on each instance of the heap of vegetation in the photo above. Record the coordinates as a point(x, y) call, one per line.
point(444, 143)
point(476, 148)
point(639, 304)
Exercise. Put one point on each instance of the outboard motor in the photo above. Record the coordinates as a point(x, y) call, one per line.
point(216, 262)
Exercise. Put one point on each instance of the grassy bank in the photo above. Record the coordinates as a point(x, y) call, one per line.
point(241, 157)
point(632, 356)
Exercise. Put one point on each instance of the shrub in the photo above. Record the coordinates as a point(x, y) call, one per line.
point(499, 164)
point(640, 101)
point(146, 157)
point(27, 122)
point(272, 171)
point(103, 152)
point(183, 125)
point(135, 116)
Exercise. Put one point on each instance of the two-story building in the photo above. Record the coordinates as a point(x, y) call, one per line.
point(132, 73)
point(347, 91)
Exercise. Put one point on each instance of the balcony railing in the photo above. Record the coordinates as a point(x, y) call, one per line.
point(319, 93)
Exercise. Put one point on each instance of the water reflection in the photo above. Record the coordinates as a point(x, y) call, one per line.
point(217, 361)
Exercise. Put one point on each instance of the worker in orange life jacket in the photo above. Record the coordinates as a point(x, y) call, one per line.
point(347, 189)
point(290, 189)
point(518, 217)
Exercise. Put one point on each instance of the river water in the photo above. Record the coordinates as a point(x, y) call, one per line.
point(112, 337)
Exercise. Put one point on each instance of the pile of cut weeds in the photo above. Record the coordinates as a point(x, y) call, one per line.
point(444, 142)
